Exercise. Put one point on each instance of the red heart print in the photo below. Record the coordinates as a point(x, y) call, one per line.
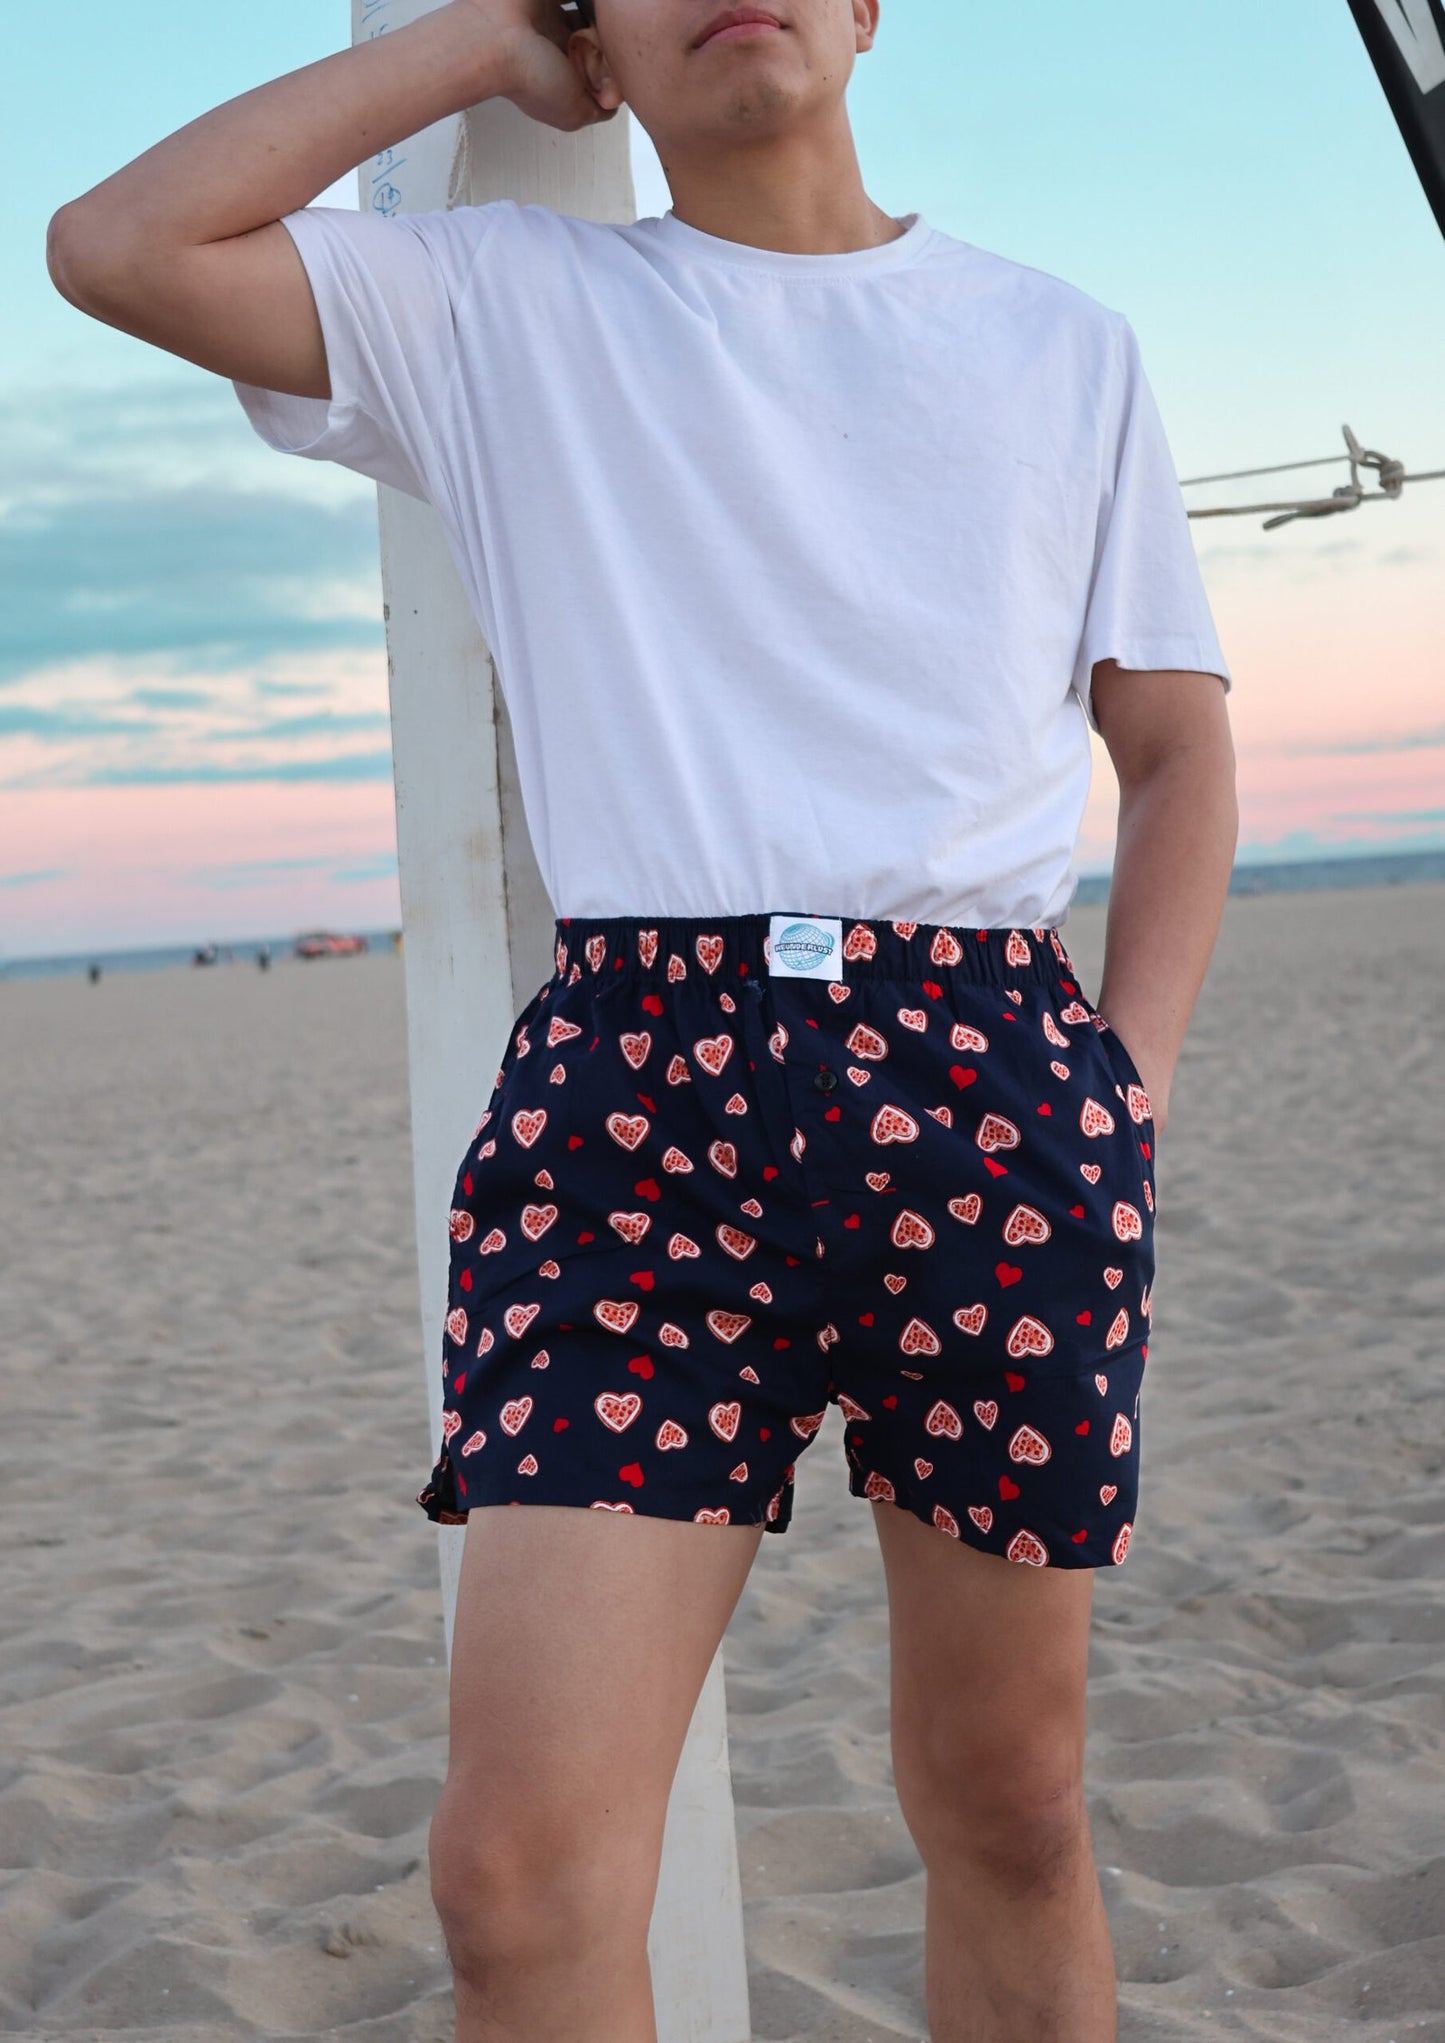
point(641, 1365)
point(514, 1415)
point(890, 1403)
point(1082, 1427)
point(1007, 1489)
point(560, 1425)
point(1007, 1273)
point(632, 1474)
point(617, 1411)
point(724, 1418)
point(943, 1421)
point(1084, 1319)
point(1013, 1380)
point(574, 1141)
point(1076, 1212)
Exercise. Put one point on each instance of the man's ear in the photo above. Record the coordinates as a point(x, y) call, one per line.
point(597, 74)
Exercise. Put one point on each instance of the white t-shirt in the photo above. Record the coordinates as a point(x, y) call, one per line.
point(794, 567)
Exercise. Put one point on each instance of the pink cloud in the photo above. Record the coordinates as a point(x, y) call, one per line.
point(133, 866)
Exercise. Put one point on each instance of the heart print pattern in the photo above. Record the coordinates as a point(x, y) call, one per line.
point(706, 1201)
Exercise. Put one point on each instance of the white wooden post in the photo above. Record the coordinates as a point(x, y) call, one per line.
point(477, 928)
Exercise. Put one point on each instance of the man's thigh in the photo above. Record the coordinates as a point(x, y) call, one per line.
point(989, 1666)
point(581, 1641)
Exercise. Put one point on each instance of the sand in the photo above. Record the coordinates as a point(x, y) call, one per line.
point(222, 1674)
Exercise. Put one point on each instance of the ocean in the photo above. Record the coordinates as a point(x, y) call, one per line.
point(1383, 869)
point(163, 957)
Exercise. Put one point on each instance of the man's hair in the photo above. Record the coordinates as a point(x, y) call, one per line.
point(583, 11)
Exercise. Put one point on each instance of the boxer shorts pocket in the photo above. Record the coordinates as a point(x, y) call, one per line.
point(506, 1224)
point(511, 1056)
point(1127, 1072)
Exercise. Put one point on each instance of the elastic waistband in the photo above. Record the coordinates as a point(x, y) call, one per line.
point(728, 949)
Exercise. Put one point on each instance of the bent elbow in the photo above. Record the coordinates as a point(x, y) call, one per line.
point(65, 242)
point(83, 255)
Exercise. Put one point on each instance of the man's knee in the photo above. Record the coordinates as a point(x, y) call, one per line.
point(519, 1894)
point(1016, 1816)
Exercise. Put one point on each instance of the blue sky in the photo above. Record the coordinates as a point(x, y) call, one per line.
point(190, 634)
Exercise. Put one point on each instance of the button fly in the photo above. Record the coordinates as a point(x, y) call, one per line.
point(825, 1080)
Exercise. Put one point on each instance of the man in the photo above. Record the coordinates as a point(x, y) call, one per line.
point(809, 542)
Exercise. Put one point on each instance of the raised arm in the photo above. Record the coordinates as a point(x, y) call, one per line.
point(183, 246)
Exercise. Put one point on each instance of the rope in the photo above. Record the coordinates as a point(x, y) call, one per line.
point(1348, 497)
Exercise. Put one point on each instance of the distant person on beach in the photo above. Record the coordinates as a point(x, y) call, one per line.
point(812, 542)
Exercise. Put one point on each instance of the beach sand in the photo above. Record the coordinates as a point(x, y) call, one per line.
point(223, 1705)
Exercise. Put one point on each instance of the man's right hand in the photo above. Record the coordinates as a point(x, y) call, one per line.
point(531, 39)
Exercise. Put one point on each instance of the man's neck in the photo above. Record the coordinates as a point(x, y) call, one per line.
point(789, 196)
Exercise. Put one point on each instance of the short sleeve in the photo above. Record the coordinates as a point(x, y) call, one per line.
point(386, 292)
point(1147, 606)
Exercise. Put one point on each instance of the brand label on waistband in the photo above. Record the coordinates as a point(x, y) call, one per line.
point(805, 946)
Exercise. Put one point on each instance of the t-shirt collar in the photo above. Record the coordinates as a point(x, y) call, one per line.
point(691, 241)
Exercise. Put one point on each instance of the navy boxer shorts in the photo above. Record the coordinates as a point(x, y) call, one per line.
point(736, 1169)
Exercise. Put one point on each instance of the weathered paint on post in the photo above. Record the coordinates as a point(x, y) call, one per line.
point(477, 927)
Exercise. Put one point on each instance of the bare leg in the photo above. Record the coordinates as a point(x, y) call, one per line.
point(989, 1663)
point(582, 1640)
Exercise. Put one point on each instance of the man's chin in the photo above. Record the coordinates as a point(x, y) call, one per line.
point(749, 111)
point(758, 109)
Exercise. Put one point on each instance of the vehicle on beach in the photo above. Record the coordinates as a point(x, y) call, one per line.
point(325, 943)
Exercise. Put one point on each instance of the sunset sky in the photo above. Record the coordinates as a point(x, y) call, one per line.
point(193, 711)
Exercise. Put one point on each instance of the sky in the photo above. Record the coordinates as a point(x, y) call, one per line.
point(194, 728)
